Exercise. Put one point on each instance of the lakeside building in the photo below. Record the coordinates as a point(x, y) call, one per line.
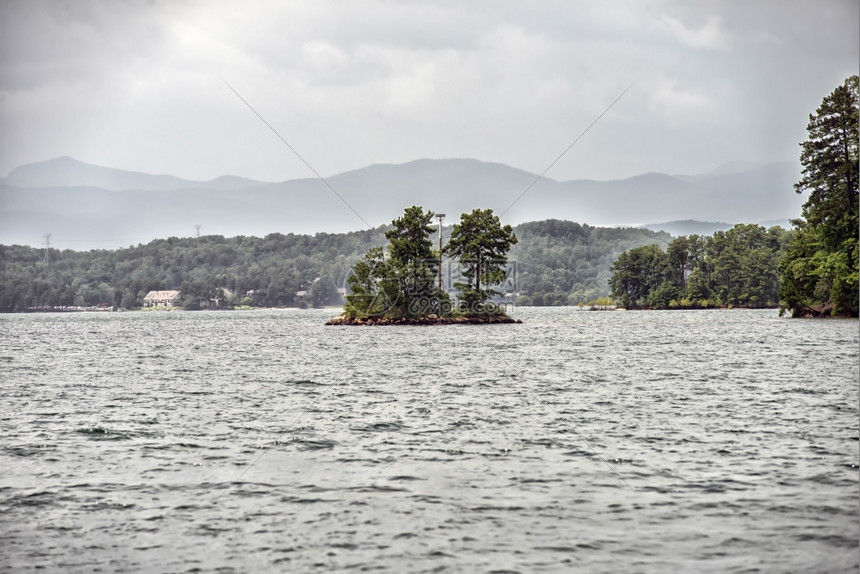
point(161, 299)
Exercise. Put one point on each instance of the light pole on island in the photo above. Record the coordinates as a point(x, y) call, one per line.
point(440, 217)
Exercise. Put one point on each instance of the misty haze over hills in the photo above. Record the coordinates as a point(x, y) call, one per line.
point(91, 207)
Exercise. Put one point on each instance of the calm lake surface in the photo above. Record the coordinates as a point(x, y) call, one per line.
point(701, 441)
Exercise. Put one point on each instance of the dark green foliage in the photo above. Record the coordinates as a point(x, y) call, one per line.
point(403, 284)
point(481, 244)
point(323, 291)
point(738, 267)
point(373, 286)
point(744, 265)
point(637, 273)
point(412, 261)
point(198, 293)
point(409, 238)
point(820, 271)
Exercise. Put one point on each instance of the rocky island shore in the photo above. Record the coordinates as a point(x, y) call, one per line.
point(428, 320)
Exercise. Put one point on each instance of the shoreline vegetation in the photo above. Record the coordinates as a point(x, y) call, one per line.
point(557, 263)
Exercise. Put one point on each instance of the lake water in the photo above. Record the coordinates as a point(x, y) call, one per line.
point(700, 441)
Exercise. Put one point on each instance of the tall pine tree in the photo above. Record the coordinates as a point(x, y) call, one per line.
point(414, 262)
point(481, 243)
point(819, 272)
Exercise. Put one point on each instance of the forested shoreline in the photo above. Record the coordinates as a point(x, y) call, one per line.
point(558, 263)
point(734, 268)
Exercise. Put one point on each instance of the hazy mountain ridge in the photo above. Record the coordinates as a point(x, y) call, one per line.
point(87, 206)
point(727, 168)
point(69, 172)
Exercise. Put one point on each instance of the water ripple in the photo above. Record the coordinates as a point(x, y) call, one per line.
point(125, 436)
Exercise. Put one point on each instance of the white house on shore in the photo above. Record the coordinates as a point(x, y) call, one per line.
point(161, 299)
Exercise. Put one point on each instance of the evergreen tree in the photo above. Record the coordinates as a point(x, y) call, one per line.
point(374, 289)
point(745, 262)
point(412, 259)
point(403, 284)
point(636, 273)
point(820, 271)
point(481, 243)
point(679, 260)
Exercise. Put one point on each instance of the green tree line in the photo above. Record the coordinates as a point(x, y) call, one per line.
point(738, 267)
point(558, 262)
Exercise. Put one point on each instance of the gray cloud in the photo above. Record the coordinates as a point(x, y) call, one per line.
point(138, 85)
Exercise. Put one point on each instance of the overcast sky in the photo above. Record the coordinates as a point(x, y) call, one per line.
point(141, 85)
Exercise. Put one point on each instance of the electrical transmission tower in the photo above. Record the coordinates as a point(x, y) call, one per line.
point(46, 243)
point(196, 231)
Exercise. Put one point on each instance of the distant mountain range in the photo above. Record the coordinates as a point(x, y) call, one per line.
point(89, 207)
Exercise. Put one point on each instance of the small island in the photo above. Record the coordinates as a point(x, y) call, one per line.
point(401, 284)
point(430, 319)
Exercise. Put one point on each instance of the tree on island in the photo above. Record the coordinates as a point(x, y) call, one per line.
point(399, 282)
point(414, 263)
point(820, 270)
point(482, 244)
point(403, 284)
point(373, 286)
